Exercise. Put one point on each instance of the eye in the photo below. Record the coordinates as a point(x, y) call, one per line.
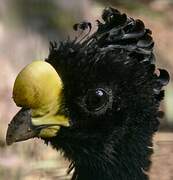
point(96, 99)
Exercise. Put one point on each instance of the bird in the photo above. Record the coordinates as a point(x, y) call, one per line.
point(95, 98)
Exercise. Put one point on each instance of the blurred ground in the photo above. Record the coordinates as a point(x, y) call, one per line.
point(162, 168)
point(23, 40)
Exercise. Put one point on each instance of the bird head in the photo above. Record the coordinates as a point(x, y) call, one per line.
point(94, 94)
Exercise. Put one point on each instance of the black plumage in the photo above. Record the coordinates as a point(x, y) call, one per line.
point(114, 142)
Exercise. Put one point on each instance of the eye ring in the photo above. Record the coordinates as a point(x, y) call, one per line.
point(96, 99)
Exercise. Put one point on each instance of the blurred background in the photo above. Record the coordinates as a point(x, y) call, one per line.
point(26, 27)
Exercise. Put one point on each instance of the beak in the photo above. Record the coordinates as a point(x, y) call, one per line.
point(38, 90)
point(23, 126)
point(20, 127)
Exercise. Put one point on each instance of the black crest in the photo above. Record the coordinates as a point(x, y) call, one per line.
point(118, 33)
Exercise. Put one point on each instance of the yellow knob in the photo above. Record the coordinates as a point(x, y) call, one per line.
point(37, 85)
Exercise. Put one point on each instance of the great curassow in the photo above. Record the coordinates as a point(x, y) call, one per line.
point(102, 108)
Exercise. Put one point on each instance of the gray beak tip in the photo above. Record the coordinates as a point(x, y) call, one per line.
point(20, 128)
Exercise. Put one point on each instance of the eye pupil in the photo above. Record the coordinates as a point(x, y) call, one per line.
point(96, 99)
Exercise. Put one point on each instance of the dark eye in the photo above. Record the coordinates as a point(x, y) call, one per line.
point(96, 99)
